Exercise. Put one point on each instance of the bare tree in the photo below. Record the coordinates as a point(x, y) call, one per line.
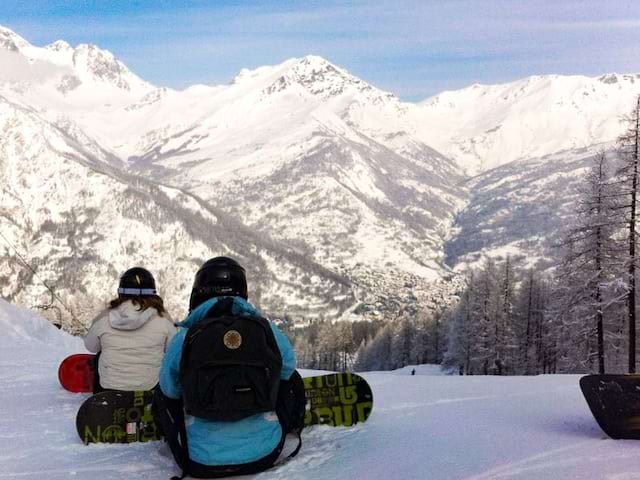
point(629, 144)
point(589, 261)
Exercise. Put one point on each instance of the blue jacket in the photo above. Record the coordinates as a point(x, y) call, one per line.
point(225, 443)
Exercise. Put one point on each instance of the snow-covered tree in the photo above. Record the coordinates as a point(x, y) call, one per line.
point(589, 261)
point(629, 147)
point(401, 343)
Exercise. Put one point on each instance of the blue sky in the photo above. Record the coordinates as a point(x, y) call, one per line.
point(409, 47)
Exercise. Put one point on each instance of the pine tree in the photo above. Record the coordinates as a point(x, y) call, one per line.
point(486, 352)
point(402, 335)
point(379, 350)
point(589, 263)
point(345, 345)
point(458, 353)
point(525, 324)
point(360, 362)
point(421, 342)
point(595, 243)
point(505, 337)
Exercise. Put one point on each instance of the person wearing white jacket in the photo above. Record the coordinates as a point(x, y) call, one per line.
point(131, 335)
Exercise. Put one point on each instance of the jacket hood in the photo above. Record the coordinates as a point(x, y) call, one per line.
point(128, 317)
point(240, 307)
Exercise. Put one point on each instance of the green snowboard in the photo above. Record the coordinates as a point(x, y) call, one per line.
point(337, 399)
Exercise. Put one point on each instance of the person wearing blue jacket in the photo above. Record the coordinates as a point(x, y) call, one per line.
point(215, 448)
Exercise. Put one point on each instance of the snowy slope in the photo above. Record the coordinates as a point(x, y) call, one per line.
point(484, 126)
point(24, 327)
point(422, 426)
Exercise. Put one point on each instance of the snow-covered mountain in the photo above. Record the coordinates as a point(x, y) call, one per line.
point(294, 169)
point(527, 143)
point(485, 126)
point(339, 197)
point(82, 222)
point(81, 70)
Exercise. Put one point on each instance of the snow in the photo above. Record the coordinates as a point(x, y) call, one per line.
point(19, 325)
point(485, 126)
point(429, 425)
point(419, 370)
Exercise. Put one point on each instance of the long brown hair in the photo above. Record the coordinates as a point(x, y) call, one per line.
point(143, 302)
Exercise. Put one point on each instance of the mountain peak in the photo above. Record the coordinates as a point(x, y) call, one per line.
point(102, 65)
point(316, 62)
point(59, 46)
point(10, 40)
point(323, 79)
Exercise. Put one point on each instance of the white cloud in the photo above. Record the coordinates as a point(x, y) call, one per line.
point(15, 67)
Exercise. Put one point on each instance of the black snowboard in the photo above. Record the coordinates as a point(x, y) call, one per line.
point(614, 401)
point(117, 417)
point(338, 399)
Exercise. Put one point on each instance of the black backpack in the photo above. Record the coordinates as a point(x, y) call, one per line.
point(230, 366)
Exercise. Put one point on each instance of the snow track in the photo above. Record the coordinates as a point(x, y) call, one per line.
point(423, 427)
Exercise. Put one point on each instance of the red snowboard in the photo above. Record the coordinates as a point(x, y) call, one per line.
point(76, 372)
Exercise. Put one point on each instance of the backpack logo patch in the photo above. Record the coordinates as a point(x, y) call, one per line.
point(232, 339)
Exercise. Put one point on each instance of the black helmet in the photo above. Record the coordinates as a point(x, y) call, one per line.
point(137, 282)
point(218, 277)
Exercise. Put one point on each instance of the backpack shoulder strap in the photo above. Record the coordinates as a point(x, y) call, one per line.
point(170, 416)
point(291, 408)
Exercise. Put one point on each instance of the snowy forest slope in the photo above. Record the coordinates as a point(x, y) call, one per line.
point(423, 426)
point(521, 209)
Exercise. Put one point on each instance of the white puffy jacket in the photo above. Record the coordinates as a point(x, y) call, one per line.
point(132, 343)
